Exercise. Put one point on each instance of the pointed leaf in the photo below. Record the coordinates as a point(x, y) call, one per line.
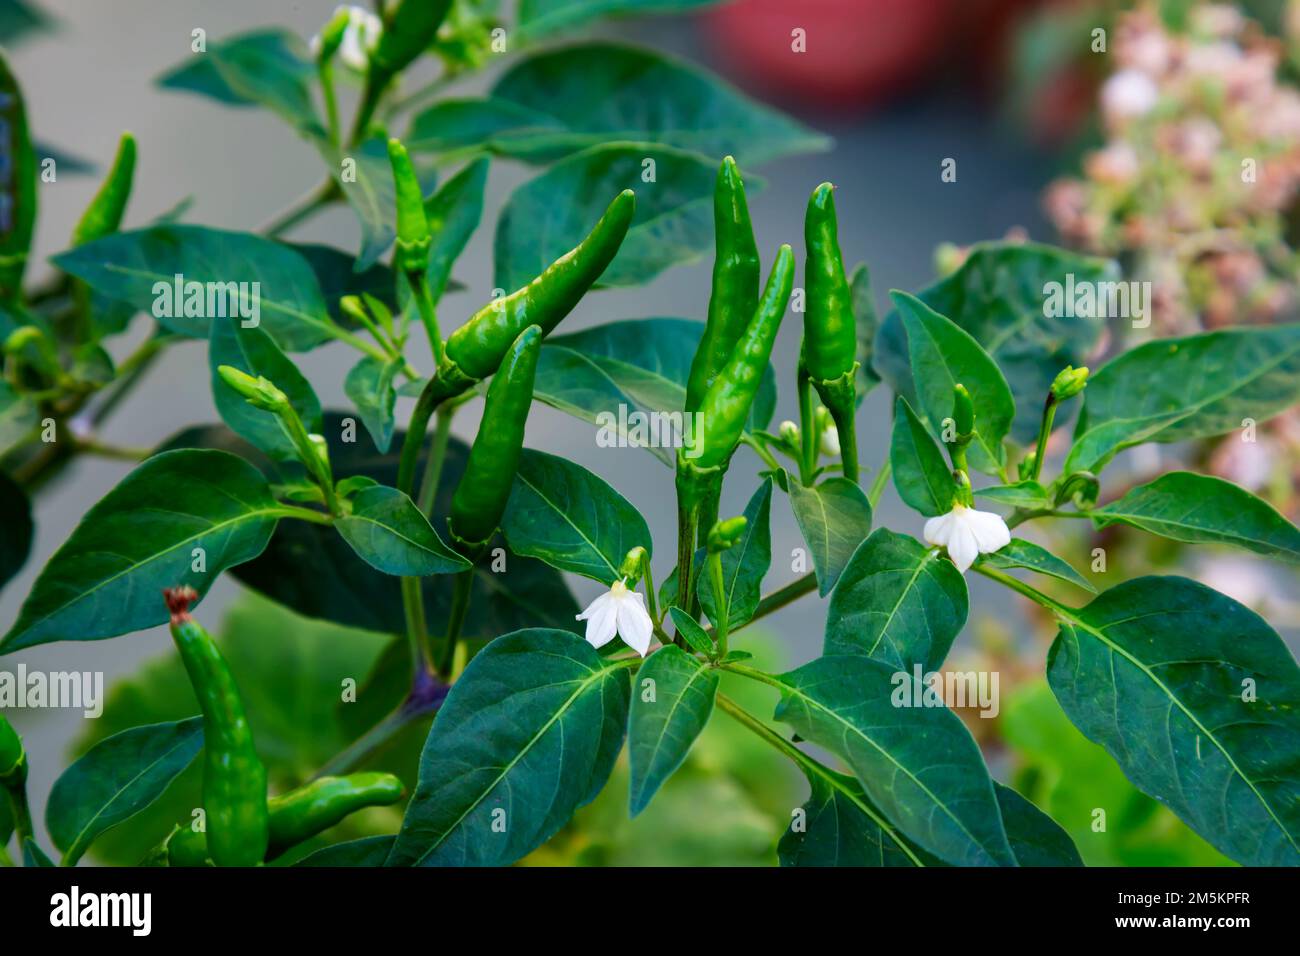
point(834, 517)
point(922, 477)
point(867, 322)
point(564, 515)
point(116, 779)
point(369, 851)
point(667, 715)
point(1028, 494)
point(946, 806)
point(1201, 509)
point(1198, 700)
point(690, 631)
point(453, 212)
point(148, 533)
point(387, 530)
point(1025, 554)
point(370, 386)
point(528, 734)
point(897, 602)
point(1036, 839)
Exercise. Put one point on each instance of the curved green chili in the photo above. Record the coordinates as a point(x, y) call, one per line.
point(409, 29)
point(104, 214)
point(234, 780)
point(725, 406)
point(830, 334)
point(480, 498)
point(299, 815)
point(476, 348)
point(734, 294)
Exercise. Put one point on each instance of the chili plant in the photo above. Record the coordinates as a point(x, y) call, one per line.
point(459, 551)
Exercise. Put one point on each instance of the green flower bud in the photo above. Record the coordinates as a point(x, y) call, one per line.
point(633, 565)
point(331, 35)
point(726, 533)
point(413, 239)
point(258, 392)
point(1069, 383)
point(789, 433)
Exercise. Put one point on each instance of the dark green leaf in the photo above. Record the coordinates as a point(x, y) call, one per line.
point(387, 530)
point(370, 386)
point(271, 279)
point(1033, 557)
point(942, 355)
point(181, 517)
point(453, 212)
point(16, 520)
point(672, 703)
point(922, 477)
point(564, 515)
point(1036, 839)
point(547, 216)
point(744, 564)
point(897, 602)
point(1198, 700)
point(630, 379)
point(998, 296)
point(368, 851)
point(251, 350)
point(19, 187)
point(528, 734)
point(539, 17)
point(1023, 494)
point(1203, 509)
point(116, 779)
point(560, 101)
point(834, 518)
point(1191, 387)
point(690, 631)
point(270, 68)
point(947, 806)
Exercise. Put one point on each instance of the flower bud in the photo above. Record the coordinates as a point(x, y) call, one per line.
point(331, 35)
point(633, 565)
point(258, 392)
point(1070, 382)
point(789, 433)
point(726, 533)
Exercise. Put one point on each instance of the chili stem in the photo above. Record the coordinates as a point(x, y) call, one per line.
point(300, 209)
point(417, 636)
point(460, 596)
point(687, 519)
point(1044, 432)
point(650, 593)
point(879, 483)
point(326, 73)
point(719, 601)
point(437, 458)
point(428, 313)
point(846, 430)
point(807, 429)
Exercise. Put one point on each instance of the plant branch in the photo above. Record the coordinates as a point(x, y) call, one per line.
point(301, 208)
point(437, 458)
point(879, 483)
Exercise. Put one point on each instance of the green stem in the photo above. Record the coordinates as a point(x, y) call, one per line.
point(370, 97)
point(810, 767)
point(456, 619)
point(720, 600)
point(92, 446)
point(759, 449)
point(846, 430)
point(16, 787)
point(807, 428)
point(326, 74)
point(367, 743)
point(304, 514)
point(1044, 432)
point(437, 457)
point(428, 313)
point(417, 628)
point(879, 483)
point(1019, 516)
point(301, 209)
point(785, 595)
point(1020, 587)
point(650, 598)
point(687, 519)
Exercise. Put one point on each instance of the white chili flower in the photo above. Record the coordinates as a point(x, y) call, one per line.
point(1127, 94)
point(359, 38)
point(967, 534)
point(620, 611)
point(830, 442)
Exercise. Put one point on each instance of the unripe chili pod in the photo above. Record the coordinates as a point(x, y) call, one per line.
point(104, 214)
point(963, 411)
point(735, 283)
point(234, 779)
point(413, 239)
point(299, 815)
point(480, 498)
point(477, 347)
point(410, 27)
point(11, 750)
point(726, 404)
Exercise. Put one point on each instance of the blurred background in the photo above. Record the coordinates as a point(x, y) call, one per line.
point(1054, 141)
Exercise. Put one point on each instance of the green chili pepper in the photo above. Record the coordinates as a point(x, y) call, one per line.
point(413, 239)
point(480, 498)
point(476, 348)
point(735, 283)
point(297, 816)
point(409, 29)
point(963, 412)
point(234, 780)
point(12, 757)
point(104, 214)
point(830, 340)
point(725, 406)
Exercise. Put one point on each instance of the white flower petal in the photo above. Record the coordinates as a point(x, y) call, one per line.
point(938, 530)
point(601, 616)
point(962, 547)
point(991, 532)
point(634, 624)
